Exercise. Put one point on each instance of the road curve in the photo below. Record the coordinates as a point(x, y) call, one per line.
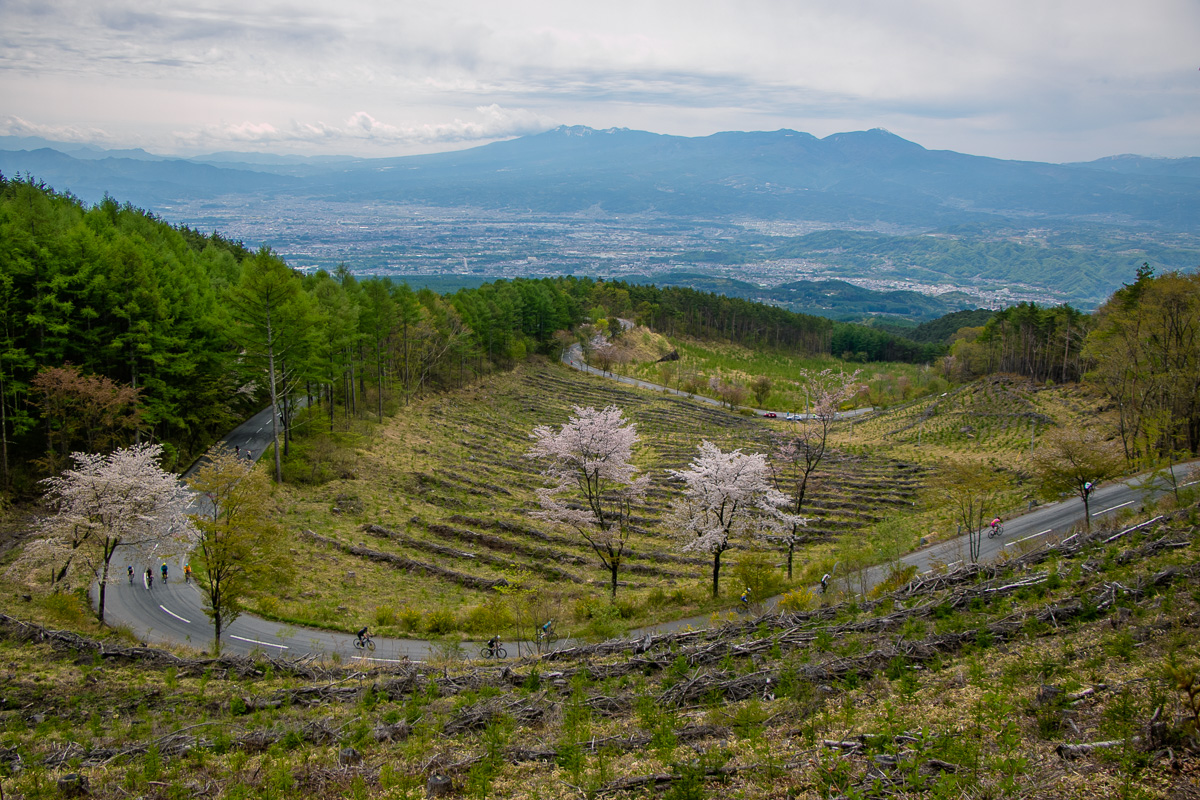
point(173, 613)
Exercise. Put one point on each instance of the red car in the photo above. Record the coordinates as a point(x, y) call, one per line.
point(769, 415)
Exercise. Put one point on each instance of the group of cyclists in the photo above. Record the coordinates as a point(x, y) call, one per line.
point(149, 575)
point(494, 648)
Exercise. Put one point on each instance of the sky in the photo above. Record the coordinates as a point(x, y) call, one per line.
point(1040, 80)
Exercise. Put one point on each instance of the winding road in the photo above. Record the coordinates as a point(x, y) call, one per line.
point(173, 613)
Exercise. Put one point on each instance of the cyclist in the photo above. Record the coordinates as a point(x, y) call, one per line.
point(996, 526)
point(746, 598)
point(545, 631)
point(494, 642)
point(164, 572)
point(187, 573)
point(364, 635)
point(825, 583)
point(129, 569)
point(149, 579)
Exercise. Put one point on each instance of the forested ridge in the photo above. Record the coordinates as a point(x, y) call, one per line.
point(119, 327)
point(101, 301)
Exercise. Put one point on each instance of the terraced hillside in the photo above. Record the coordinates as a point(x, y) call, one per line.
point(437, 512)
point(1069, 672)
point(998, 417)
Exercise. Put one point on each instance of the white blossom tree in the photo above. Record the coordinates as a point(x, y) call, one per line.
point(726, 494)
point(801, 451)
point(107, 501)
point(595, 485)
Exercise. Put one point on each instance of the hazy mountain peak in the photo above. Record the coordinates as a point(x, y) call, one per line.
point(584, 130)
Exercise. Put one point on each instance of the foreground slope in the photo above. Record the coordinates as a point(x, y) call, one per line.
point(1067, 672)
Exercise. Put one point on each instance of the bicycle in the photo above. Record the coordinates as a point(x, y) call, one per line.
point(546, 639)
point(365, 643)
point(996, 530)
point(494, 652)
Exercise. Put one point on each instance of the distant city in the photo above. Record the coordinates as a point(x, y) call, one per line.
point(409, 241)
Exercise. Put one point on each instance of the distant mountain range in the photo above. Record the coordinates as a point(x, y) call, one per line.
point(1078, 230)
point(866, 177)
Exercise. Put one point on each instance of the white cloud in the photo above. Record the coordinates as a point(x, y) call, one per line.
point(490, 123)
point(15, 126)
point(950, 68)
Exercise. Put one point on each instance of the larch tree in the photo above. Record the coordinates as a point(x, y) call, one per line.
point(259, 304)
point(802, 449)
point(1075, 460)
point(238, 543)
point(588, 459)
point(123, 499)
point(726, 494)
point(1145, 348)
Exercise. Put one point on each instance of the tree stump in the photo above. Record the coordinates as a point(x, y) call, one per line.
point(438, 785)
point(73, 785)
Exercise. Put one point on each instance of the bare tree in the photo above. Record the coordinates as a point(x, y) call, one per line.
point(238, 541)
point(801, 451)
point(730, 393)
point(725, 494)
point(588, 458)
point(1074, 460)
point(761, 386)
point(966, 493)
point(107, 501)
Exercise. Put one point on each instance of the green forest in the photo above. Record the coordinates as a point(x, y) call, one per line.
point(118, 326)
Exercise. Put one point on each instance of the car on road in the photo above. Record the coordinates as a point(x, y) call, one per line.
point(769, 414)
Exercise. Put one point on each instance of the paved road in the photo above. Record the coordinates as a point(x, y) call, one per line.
point(174, 613)
point(1025, 530)
point(573, 357)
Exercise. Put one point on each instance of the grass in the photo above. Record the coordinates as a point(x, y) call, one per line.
point(856, 699)
point(887, 384)
point(448, 477)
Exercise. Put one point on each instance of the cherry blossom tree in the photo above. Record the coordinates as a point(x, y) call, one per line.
point(123, 499)
point(726, 494)
point(588, 459)
point(801, 451)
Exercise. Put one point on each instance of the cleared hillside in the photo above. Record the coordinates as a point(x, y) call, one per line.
point(436, 510)
point(1068, 672)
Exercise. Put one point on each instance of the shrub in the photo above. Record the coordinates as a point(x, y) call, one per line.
point(801, 599)
point(488, 617)
point(757, 571)
point(440, 621)
point(897, 577)
point(410, 618)
point(385, 615)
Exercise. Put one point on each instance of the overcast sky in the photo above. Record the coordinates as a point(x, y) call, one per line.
point(1045, 80)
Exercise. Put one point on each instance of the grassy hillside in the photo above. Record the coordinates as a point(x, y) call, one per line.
point(981, 683)
point(446, 487)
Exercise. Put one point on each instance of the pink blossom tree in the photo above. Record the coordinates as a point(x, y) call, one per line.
point(123, 499)
point(801, 451)
point(588, 460)
point(725, 494)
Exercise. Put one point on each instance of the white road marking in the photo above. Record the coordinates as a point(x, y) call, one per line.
point(1114, 508)
point(173, 614)
point(1030, 536)
point(256, 641)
